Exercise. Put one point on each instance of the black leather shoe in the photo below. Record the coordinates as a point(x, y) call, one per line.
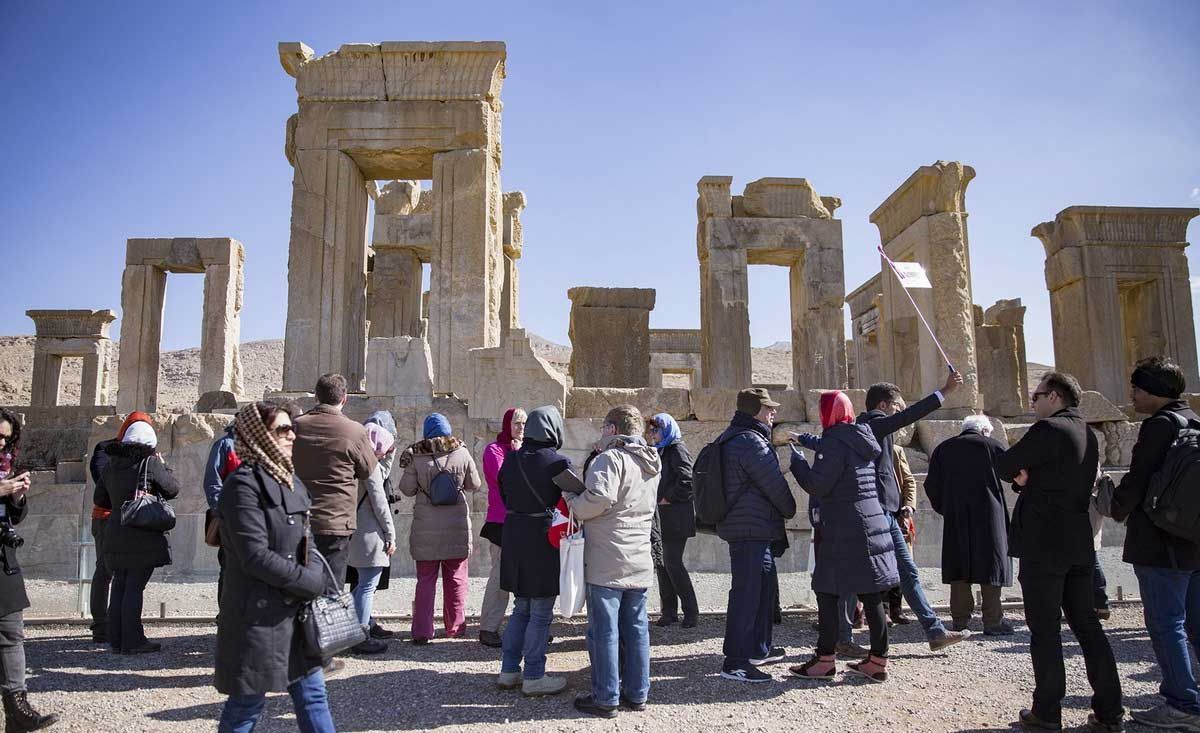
point(378, 632)
point(628, 704)
point(146, 647)
point(665, 621)
point(1029, 721)
point(587, 704)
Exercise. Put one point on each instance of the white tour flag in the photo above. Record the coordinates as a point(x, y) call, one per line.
point(912, 275)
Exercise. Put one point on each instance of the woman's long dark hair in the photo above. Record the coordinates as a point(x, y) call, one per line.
point(10, 417)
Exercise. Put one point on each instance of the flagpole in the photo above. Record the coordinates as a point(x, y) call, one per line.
point(918, 310)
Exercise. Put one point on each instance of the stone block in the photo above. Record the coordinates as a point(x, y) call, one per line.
point(812, 401)
point(781, 433)
point(1119, 438)
point(931, 433)
point(53, 434)
point(217, 399)
point(1096, 408)
point(400, 367)
point(70, 472)
point(697, 433)
point(68, 499)
point(51, 549)
point(398, 197)
point(610, 345)
point(783, 198)
point(597, 401)
point(588, 297)
point(513, 375)
point(719, 403)
point(1016, 431)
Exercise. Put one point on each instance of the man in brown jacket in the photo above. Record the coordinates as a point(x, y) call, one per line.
point(331, 455)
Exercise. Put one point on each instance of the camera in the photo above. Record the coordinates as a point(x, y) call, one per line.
point(9, 536)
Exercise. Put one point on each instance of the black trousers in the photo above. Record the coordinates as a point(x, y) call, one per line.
point(336, 550)
point(674, 583)
point(748, 627)
point(829, 617)
point(1099, 586)
point(1051, 590)
point(125, 629)
point(101, 579)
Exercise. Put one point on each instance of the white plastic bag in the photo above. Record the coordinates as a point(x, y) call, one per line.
point(571, 588)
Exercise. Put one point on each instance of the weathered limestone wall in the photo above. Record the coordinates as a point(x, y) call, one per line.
point(71, 333)
point(512, 374)
point(865, 321)
point(1119, 291)
point(925, 221)
point(610, 336)
point(402, 240)
point(1000, 352)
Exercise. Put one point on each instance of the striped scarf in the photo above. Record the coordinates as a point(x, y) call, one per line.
point(254, 445)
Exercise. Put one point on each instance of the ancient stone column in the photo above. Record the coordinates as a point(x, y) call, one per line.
point(466, 277)
point(610, 336)
point(1000, 353)
point(818, 329)
point(1119, 292)
point(220, 335)
point(143, 288)
point(724, 293)
point(925, 221)
point(514, 241)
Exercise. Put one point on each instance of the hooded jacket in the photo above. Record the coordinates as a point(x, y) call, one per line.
point(617, 509)
point(127, 548)
point(855, 554)
point(759, 495)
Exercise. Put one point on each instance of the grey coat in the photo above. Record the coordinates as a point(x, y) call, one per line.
point(855, 554)
point(375, 529)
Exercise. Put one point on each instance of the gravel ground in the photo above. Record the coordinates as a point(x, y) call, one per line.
point(976, 686)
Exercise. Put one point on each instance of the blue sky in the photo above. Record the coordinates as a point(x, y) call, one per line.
point(167, 119)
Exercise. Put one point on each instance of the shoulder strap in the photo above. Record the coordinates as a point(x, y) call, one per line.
point(517, 457)
point(1181, 422)
point(749, 484)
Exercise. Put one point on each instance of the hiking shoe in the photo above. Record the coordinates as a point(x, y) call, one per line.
point(1029, 721)
point(850, 650)
point(491, 638)
point(628, 704)
point(330, 667)
point(873, 668)
point(747, 673)
point(1003, 628)
point(378, 632)
point(509, 680)
point(1165, 716)
point(545, 685)
point(776, 655)
point(947, 638)
point(370, 646)
point(665, 621)
point(587, 704)
point(1096, 725)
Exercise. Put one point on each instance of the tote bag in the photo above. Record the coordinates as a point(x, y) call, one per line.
point(571, 588)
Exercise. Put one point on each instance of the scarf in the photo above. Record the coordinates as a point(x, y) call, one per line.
point(133, 417)
point(668, 428)
point(381, 440)
point(545, 425)
point(835, 409)
point(254, 446)
point(428, 447)
point(505, 436)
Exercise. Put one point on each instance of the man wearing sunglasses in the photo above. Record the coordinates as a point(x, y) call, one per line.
point(1054, 468)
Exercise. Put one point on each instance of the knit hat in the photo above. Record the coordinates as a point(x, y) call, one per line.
point(1151, 383)
point(142, 434)
point(437, 426)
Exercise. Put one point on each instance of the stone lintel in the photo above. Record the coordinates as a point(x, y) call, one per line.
point(592, 297)
point(715, 199)
point(931, 189)
point(412, 231)
point(65, 324)
point(183, 254)
point(398, 70)
point(675, 341)
point(773, 241)
point(1144, 226)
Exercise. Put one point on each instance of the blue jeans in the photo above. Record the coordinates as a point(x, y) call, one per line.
point(618, 641)
point(910, 583)
point(242, 712)
point(526, 636)
point(364, 593)
point(748, 622)
point(1171, 606)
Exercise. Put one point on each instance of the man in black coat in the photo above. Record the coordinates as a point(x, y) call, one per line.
point(963, 487)
point(1167, 567)
point(759, 501)
point(1054, 468)
point(885, 418)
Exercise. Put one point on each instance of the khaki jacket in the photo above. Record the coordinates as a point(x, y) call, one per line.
point(616, 510)
point(332, 454)
point(440, 532)
point(904, 477)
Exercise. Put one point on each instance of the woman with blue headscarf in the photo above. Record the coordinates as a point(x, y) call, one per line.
point(674, 522)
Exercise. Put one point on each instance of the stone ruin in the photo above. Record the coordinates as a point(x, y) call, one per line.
point(409, 112)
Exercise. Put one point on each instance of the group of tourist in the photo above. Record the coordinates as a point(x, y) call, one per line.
point(298, 500)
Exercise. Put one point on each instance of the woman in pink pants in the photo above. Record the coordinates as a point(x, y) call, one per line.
point(438, 471)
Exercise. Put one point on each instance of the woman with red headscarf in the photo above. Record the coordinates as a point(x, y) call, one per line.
point(495, 600)
point(855, 555)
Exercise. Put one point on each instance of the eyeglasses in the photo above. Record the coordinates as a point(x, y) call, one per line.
point(283, 431)
point(1036, 395)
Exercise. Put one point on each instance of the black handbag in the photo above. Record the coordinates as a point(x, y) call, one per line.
point(146, 510)
point(330, 621)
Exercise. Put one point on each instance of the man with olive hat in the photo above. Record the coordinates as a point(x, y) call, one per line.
point(1167, 567)
point(759, 501)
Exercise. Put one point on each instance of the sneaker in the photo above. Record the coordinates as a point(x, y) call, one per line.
point(545, 685)
point(850, 650)
point(491, 638)
point(747, 673)
point(628, 704)
point(587, 704)
point(1096, 725)
point(378, 632)
point(332, 666)
point(1029, 721)
point(1003, 628)
point(947, 638)
point(777, 654)
point(509, 680)
point(370, 646)
point(1165, 716)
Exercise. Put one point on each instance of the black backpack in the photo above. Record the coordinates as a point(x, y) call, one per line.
point(708, 486)
point(443, 487)
point(1173, 496)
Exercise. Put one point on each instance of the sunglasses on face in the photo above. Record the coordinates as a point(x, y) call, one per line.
point(1038, 395)
point(283, 431)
